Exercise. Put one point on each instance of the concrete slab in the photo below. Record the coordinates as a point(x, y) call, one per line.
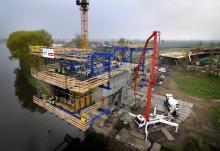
point(95, 112)
point(155, 147)
point(126, 137)
point(158, 102)
point(136, 134)
point(167, 134)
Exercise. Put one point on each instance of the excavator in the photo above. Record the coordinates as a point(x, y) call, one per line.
point(150, 118)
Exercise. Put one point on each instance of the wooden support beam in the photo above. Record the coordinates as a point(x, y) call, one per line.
point(100, 104)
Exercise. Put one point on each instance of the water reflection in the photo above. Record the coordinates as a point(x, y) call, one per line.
point(92, 141)
point(22, 122)
point(25, 93)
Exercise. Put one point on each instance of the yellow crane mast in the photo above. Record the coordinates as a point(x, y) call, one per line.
point(83, 5)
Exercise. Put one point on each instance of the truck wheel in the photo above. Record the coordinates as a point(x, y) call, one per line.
point(164, 101)
point(174, 113)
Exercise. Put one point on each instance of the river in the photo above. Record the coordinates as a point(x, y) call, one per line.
point(23, 125)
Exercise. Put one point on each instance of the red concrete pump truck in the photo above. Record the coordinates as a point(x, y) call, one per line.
point(149, 118)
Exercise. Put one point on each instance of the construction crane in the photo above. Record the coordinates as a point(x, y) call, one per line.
point(83, 5)
point(149, 119)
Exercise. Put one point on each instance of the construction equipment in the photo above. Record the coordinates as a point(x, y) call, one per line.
point(149, 119)
point(83, 4)
point(171, 103)
point(162, 70)
point(155, 34)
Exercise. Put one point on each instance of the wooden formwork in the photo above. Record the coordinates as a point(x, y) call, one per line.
point(49, 67)
point(100, 104)
point(72, 84)
point(67, 117)
point(91, 83)
point(85, 113)
point(47, 75)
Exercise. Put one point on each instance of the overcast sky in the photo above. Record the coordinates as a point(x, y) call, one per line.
point(111, 19)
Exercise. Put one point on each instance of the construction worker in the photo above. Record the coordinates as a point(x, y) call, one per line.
point(114, 62)
point(63, 70)
point(83, 120)
point(55, 98)
point(59, 70)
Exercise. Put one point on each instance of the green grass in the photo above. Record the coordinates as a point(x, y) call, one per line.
point(198, 84)
point(215, 114)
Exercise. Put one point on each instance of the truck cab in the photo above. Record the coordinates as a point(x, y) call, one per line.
point(140, 121)
point(171, 103)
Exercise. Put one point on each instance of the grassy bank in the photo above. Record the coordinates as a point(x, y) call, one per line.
point(198, 84)
point(215, 115)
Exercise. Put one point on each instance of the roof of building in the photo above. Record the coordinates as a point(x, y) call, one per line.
point(176, 53)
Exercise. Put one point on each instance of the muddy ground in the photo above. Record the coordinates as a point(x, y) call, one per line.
point(198, 126)
point(199, 123)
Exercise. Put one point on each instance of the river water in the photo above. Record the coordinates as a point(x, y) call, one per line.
point(23, 125)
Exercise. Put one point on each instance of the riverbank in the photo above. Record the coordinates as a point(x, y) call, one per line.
point(20, 128)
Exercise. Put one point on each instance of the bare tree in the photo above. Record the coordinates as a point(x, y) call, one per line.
point(218, 64)
point(195, 59)
point(121, 42)
point(75, 42)
point(211, 57)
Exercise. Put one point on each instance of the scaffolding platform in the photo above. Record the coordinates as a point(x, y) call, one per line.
point(71, 83)
point(72, 54)
point(75, 120)
point(51, 78)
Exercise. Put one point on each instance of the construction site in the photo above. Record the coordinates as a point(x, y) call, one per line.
point(112, 92)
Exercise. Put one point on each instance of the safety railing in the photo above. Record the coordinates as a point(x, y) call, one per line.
point(73, 54)
point(86, 85)
point(103, 103)
point(51, 78)
point(64, 115)
point(47, 74)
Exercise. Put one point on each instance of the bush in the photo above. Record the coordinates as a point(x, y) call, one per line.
point(18, 43)
point(191, 144)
